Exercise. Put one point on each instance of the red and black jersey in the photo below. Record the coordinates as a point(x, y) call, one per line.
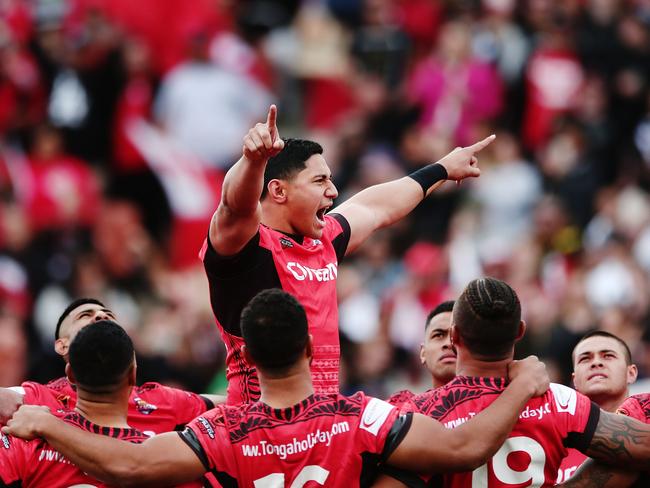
point(560, 419)
point(331, 440)
point(637, 407)
point(400, 398)
point(153, 408)
point(570, 465)
point(36, 464)
point(307, 268)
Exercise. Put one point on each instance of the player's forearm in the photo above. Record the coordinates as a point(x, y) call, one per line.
point(595, 475)
point(242, 186)
point(621, 441)
point(10, 401)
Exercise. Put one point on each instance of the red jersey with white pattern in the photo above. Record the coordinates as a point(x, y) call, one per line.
point(305, 267)
point(325, 440)
point(560, 419)
point(637, 407)
point(153, 408)
point(36, 464)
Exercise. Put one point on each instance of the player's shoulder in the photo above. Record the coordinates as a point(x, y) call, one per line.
point(58, 385)
point(636, 406)
point(400, 397)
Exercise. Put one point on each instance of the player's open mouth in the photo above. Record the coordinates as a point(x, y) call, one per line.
point(320, 214)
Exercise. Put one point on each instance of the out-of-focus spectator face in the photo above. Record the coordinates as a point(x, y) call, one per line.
point(120, 239)
point(77, 319)
point(600, 368)
point(454, 43)
point(13, 350)
point(47, 143)
point(436, 352)
point(137, 56)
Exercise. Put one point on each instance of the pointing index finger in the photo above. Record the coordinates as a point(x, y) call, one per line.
point(271, 118)
point(482, 144)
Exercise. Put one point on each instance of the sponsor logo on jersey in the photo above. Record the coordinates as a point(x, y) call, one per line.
point(205, 427)
point(302, 273)
point(536, 413)
point(374, 415)
point(5, 441)
point(284, 242)
point(296, 446)
point(144, 407)
point(566, 399)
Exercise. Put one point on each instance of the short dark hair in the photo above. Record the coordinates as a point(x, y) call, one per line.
point(443, 307)
point(274, 327)
point(289, 161)
point(76, 303)
point(487, 315)
point(603, 333)
point(100, 356)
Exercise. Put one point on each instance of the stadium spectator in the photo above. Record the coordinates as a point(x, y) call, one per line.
point(292, 432)
point(152, 407)
point(602, 371)
point(486, 326)
point(271, 231)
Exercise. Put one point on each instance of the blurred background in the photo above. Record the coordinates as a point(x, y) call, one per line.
point(119, 118)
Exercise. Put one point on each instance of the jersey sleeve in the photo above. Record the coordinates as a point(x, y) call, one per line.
point(208, 437)
point(576, 416)
point(37, 394)
point(381, 427)
point(218, 266)
point(632, 408)
point(185, 404)
point(11, 461)
point(338, 231)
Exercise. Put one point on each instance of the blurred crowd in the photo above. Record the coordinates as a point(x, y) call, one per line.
point(118, 120)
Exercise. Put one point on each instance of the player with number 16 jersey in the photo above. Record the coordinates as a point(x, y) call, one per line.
point(332, 440)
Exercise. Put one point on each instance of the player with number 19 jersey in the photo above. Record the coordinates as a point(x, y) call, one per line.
point(328, 440)
point(560, 419)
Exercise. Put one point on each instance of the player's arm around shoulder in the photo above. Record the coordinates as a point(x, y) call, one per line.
point(162, 460)
point(621, 441)
point(239, 213)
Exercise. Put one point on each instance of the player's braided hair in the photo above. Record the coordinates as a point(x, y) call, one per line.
point(487, 315)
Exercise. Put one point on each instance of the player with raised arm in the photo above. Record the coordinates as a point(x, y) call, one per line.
point(153, 408)
point(602, 371)
point(272, 229)
point(437, 353)
point(486, 326)
point(292, 436)
point(102, 366)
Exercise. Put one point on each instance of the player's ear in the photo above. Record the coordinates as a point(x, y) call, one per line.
point(69, 374)
point(61, 346)
point(454, 336)
point(422, 358)
point(632, 373)
point(309, 348)
point(521, 331)
point(277, 191)
point(133, 372)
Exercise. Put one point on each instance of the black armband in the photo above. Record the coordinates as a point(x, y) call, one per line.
point(429, 176)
